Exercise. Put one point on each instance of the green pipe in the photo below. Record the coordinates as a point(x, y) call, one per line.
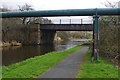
point(69, 12)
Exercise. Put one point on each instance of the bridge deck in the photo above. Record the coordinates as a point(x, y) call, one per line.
point(67, 27)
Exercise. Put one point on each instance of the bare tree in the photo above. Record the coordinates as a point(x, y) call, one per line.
point(111, 19)
point(109, 35)
point(111, 5)
point(26, 7)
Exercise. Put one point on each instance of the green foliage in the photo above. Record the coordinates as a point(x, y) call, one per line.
point(77, 35)
point(97, 69)
point(64, 35)
point(33, 67)
point(89, 41)
point(81, 35)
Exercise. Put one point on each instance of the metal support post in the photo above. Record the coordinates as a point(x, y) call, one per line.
point(60, 21)
point(70, 21)
point(96, 36)
point(93, 39)
point(81, 21)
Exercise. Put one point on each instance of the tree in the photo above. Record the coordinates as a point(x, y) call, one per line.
point(26, 7)
point(32, 20)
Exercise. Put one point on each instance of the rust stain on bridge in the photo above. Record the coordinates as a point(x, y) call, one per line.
point(67, 27)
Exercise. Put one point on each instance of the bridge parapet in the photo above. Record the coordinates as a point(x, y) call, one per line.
point(68, 20)
point(67, 27)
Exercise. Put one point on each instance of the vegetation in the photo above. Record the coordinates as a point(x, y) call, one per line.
point(65, 35)
point(89, 41)
point(108, 48)
point(109, 36)
point(81, 35)
point(97, 69)
point(33, 67)
point(108, 51)
point(109, 41)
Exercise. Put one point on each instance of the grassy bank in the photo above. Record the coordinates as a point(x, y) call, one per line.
point(98, 69)
point(89, 41)
point(33, 67)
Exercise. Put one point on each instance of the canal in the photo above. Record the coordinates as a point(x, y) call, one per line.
point(11, 55)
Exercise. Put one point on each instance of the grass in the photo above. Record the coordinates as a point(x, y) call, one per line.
point(97, 69)
point(33, 67)
point(89, 41)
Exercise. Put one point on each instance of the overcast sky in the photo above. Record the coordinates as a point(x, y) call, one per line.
point(56, 4)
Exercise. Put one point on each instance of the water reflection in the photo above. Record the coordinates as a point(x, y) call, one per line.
point(11, 55)
point(15, 54)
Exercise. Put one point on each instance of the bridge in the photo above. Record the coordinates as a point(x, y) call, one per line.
point(96, 12)
point(67, 27)
point(48, 31)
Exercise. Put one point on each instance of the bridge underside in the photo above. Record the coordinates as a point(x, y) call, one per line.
point(67, 27)
point(47, 31)
point(47, 36)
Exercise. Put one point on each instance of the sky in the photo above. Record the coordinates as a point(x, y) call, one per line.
point(56, 4)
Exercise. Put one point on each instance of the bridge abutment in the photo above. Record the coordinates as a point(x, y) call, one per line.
point(47, 36)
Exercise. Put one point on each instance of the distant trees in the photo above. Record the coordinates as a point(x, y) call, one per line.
point(81, 34)
point(4, 10)
point(66, 35)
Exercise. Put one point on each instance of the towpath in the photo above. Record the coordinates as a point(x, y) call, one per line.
point(69, 67)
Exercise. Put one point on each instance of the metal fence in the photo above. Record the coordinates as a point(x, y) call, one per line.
point(72, 21)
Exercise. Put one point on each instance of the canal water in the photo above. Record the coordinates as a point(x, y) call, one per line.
point(11, 55)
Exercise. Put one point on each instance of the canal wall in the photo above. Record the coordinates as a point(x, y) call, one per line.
point(21, 33)
point(27, 34)
point(47, 36)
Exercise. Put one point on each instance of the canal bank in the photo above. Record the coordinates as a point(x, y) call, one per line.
point(34, 67)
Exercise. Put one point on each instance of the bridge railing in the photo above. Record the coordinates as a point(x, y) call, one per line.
point(70, 21)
